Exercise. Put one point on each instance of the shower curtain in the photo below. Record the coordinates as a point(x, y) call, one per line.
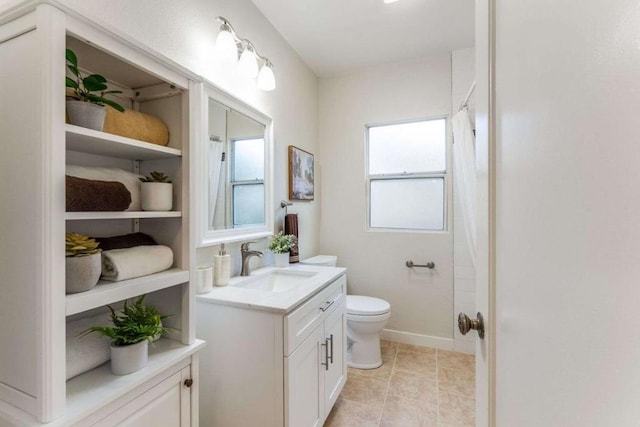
point(464, 158)
point(216, 147)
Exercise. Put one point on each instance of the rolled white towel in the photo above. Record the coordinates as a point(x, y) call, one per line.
point(123, 264)
point(87, 351)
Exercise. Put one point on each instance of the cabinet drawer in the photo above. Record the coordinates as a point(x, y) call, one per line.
point(301, 322)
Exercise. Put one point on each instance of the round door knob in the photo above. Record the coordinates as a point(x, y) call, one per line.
point(465, 324)
point(188, 382)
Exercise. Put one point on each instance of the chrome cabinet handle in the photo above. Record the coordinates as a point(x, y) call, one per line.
point(326, 355)
point(326, 305)
point(331, 357)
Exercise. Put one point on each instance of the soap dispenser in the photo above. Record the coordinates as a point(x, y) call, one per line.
point(222, 267)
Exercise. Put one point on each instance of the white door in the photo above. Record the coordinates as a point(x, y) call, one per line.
point(567, 201)
point(335, 333)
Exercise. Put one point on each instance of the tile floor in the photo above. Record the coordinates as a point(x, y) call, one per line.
point(415, 386)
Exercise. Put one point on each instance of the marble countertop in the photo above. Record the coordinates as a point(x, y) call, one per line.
point(281, 302)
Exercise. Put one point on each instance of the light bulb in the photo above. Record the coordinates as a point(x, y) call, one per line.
point(266, 79)
point(248, 64)
point(226, 46)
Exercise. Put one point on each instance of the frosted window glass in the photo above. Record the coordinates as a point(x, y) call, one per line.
point(407, 147)
point(408, 203)
point(248, 204)
point(248, 159)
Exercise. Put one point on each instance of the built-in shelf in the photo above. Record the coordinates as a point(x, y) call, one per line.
point(74, 216)
point(109, 292)
point(99, 387)
point(105, 144)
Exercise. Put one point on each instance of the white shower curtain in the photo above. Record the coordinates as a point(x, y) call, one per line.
point(215, 167)
point(464, 158)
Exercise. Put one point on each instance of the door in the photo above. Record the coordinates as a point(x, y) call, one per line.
point(304, 382)
point(335, 336)
point(565, 207)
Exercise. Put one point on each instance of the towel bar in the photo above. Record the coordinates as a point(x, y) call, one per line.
point(430, 264)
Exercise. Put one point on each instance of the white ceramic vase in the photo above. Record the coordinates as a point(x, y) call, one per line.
point(156, 196)
point(281, 260)
point(129, 358)
point(86, 114)
point(82, 272)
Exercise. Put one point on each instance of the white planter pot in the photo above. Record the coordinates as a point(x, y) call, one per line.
point(86, 114)
point(82, 272)
point(129, 358)
point(281, 260)
point(156, 196)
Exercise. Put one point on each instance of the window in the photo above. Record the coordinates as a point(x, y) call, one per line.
point(406, 175)
point(247, 182)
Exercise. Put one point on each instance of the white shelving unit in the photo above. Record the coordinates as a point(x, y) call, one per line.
point(33, 389)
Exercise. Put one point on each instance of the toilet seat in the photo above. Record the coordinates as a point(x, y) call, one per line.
point(358, 305)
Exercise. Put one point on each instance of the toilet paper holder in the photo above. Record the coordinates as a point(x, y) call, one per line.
point(430, 264)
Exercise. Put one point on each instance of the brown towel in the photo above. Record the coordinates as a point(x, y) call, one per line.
point(125, 241)
point(291, 227)
point(89, 195)
point(136, 125)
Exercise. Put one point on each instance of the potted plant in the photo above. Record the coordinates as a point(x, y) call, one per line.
point(280, 245)
point(83, 263)
point(156, 193)
point(86, 108)
point(132, 331)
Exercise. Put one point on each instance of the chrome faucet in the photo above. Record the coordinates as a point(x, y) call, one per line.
point(246, 256)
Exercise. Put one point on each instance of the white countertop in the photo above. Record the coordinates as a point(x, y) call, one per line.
point(282, 302)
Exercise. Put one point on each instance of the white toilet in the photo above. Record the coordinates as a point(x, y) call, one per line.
point(366, 317)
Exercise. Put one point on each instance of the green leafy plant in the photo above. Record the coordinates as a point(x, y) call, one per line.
point(281, 243)
point(156, 177)
point(80, 245)
point(137, 322)
point(84, 86)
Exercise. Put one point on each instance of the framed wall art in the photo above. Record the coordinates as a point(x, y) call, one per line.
point(300, 174)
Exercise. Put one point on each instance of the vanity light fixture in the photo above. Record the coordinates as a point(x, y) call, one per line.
point(251, 63)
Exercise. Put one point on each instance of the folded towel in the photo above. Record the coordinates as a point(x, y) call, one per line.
point(125, 241)
point(291, 227)
point(85, 195)
point(123, 264)
point(129, 179)
point(87, 351)
point(136, 125)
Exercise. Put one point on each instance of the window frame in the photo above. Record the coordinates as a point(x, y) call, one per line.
point(232, 183)
point(410, 175)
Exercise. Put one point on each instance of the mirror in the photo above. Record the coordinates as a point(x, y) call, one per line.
point(234, 153)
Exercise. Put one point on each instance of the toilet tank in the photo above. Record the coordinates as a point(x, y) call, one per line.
point(321, 260)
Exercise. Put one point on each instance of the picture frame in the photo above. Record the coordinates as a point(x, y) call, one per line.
point(301, 174)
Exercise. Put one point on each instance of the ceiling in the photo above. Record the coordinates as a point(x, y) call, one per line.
point(335, 36)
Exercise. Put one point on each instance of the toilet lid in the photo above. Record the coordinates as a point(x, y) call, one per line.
point(366, 306)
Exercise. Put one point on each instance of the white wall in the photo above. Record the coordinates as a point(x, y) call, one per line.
point(421, 300)
point(185, 31)
point(464, 274)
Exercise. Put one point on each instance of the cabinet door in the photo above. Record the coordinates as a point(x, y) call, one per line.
point(161, 405)
point(304, 377)
point(335, 327)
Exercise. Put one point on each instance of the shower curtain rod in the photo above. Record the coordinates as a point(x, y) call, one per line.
point(466, 98)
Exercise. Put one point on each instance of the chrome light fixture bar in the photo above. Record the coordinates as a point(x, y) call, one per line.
point(251, 64)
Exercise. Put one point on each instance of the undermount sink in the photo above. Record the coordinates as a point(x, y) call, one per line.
point(275, 280)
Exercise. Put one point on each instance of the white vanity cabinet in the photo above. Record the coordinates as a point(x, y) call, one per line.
point(272, 366)
point(37, 145)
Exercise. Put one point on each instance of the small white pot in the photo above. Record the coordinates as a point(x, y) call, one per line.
point(281, 260)
point(82, 272)
point(86, 114)
point(129, 358)
point(156, 196)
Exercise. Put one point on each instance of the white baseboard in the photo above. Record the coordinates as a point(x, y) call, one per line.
point(428, 341)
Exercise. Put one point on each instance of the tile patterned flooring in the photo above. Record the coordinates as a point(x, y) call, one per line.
point(415, 386)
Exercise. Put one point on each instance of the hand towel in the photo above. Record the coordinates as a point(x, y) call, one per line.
point(125, 241)
point(291, 227)
point(85, 352)
point(129, 179)
point(123, 264)
point(90, 195)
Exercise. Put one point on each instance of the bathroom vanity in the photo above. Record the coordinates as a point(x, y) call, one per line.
point(276, 352)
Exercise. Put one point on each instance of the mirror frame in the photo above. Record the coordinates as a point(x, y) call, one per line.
point(205, 236)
